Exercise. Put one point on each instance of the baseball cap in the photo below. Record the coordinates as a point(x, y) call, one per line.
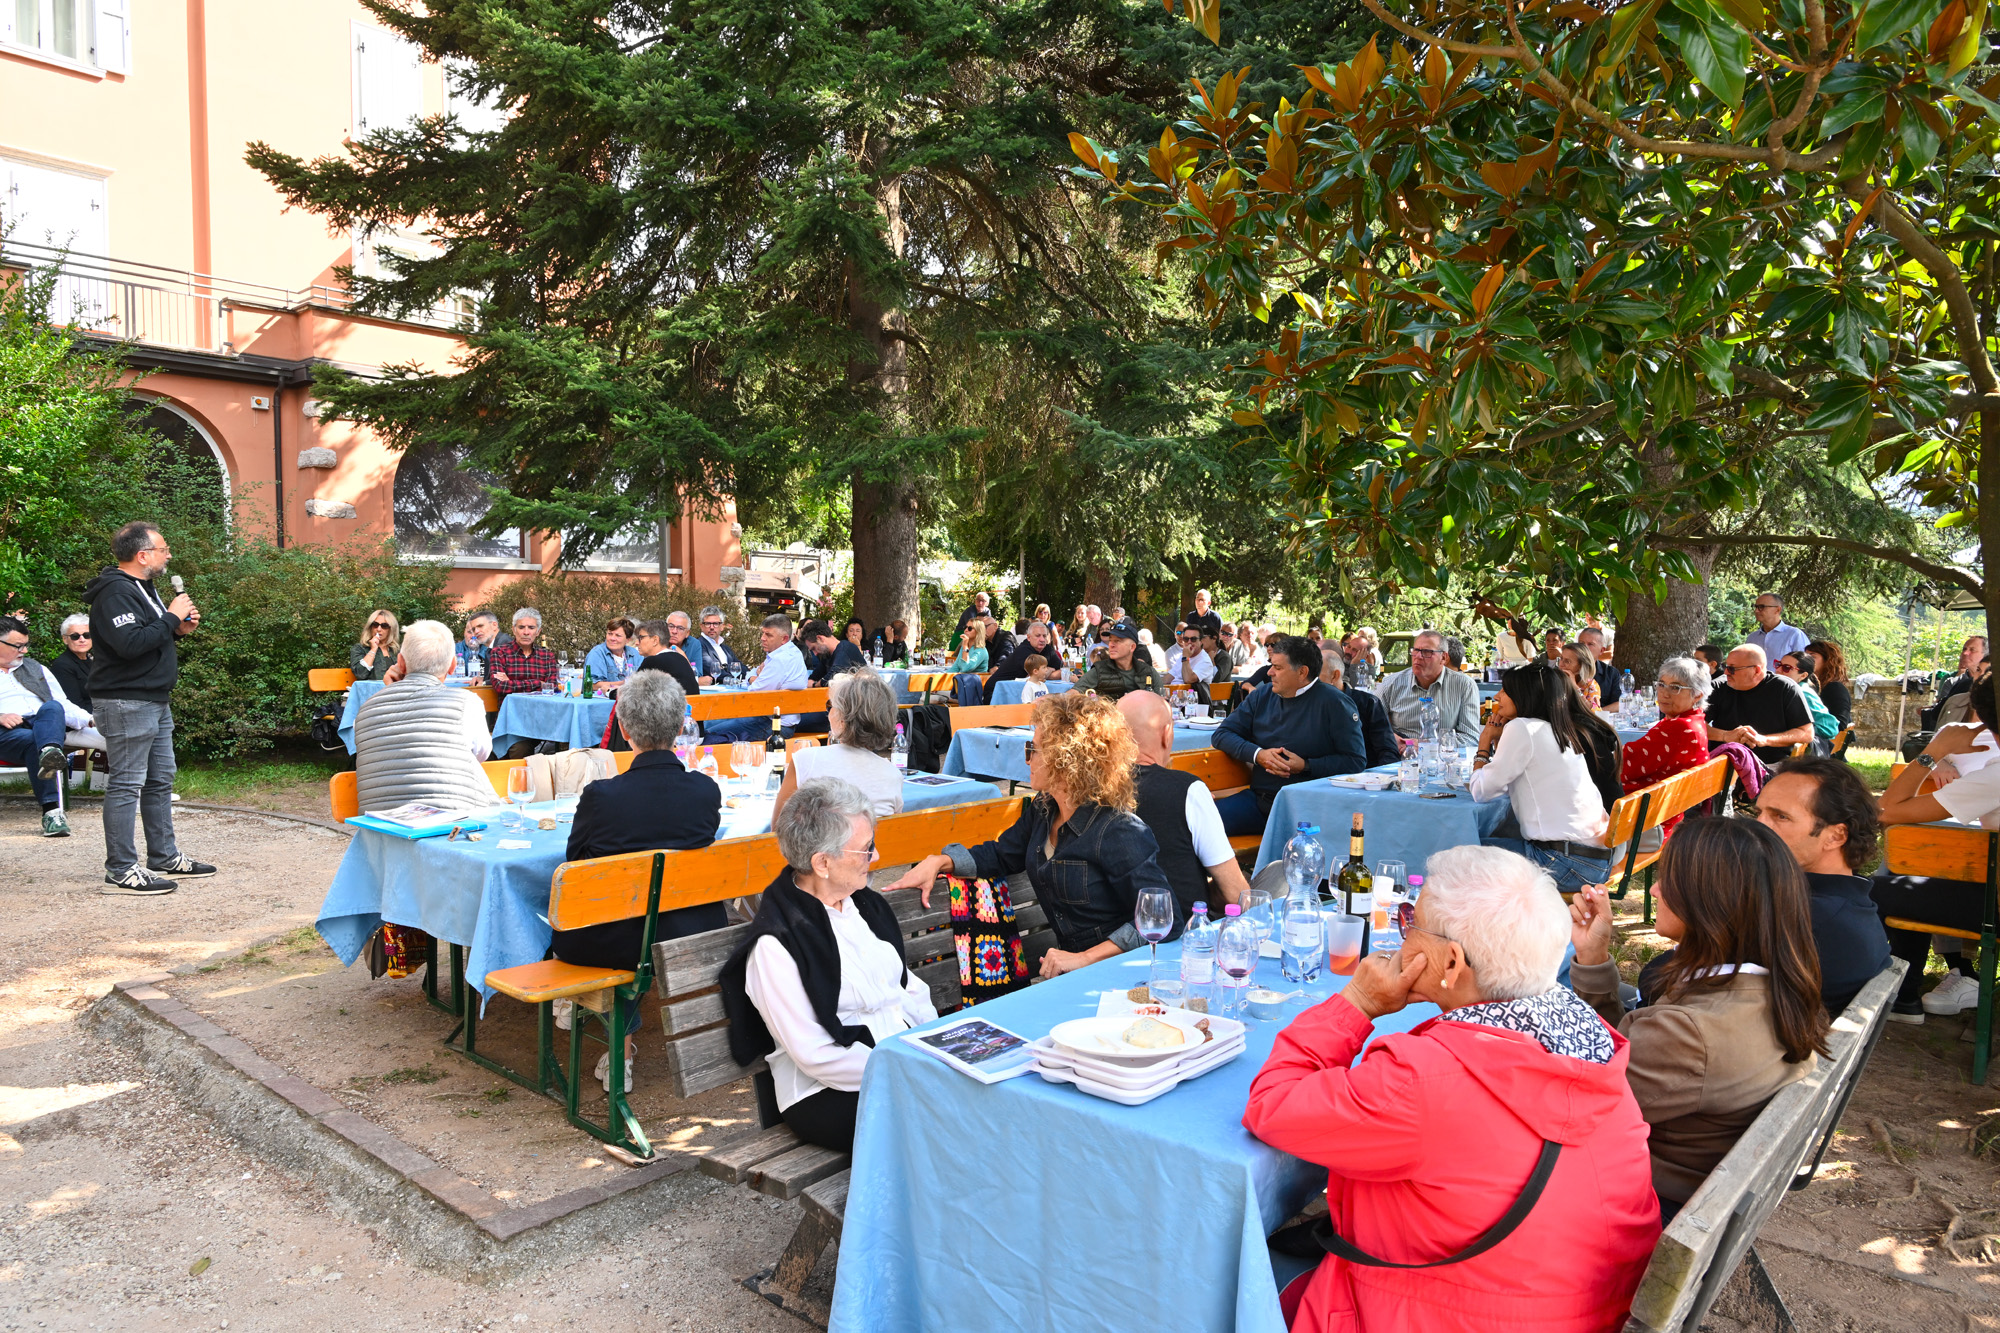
point(1124, 629)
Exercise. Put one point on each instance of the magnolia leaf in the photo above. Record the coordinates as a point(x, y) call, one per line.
point(1943, 34)
point(1966, 49)
point(1852, 110)
point(1626, 26)
point(1715, 359)
point(1717, 51)
point(1748, 13)
point(1885, 20)
point(1243, 418)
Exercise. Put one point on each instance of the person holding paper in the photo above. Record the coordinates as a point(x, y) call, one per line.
point(820, 981)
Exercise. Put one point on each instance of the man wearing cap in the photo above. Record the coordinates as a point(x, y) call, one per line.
point(1122, 669)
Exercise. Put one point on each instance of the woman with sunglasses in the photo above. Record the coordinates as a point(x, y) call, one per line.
point(1800, 668)
point(375, 652)
point(72, 665)
point(1679, 740)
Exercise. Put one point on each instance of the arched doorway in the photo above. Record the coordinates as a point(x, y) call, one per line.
point(185, 464)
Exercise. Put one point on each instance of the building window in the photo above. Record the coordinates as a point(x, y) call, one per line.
point(438, 502)
point(185, 462)
point(388, 80)
point(636, 547)
point(88, 32)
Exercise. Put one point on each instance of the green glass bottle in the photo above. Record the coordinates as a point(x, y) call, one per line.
point(1356, 886)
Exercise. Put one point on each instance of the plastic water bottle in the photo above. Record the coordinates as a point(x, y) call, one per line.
point(1305, 864)
point(690, 738)
point(1235, 959)
point(1300, 939)
point(1198, 959)
point(1625, 686)
point(900, 752)
point(1430, 753)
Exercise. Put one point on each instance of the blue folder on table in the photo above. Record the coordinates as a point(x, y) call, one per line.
point(395, 830)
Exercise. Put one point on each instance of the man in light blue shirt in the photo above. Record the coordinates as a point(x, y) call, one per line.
point(1454, 693)
point(1773, 635)
point(783, 667)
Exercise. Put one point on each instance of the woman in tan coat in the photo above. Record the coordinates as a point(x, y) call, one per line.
point(1731, 1015)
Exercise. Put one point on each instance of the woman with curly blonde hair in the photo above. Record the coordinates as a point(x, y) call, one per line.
point(1085, 851)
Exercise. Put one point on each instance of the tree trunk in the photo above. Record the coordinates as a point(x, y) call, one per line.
point(884, 531)
point(1989, 506)
point(1650, 632)
point(1100, 587)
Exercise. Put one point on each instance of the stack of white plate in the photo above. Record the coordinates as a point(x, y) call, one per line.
point(1093, 1054)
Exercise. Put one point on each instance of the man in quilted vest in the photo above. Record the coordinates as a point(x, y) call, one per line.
point(418, 739)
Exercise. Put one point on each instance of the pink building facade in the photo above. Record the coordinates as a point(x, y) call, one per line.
point(122, 133)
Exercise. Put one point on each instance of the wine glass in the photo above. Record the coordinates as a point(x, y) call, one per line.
point(1256, 904)
point(1154, 920)
point(1389, 877)
point(520, 790)
point(742, 759)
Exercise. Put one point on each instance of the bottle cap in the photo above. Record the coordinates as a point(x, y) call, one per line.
point(1416, 881)
point(1202, 908)
point(1232, 910)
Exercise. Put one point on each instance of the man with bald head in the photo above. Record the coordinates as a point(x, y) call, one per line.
point(1037, 641)
point(1194, 851)
point(1757, 709)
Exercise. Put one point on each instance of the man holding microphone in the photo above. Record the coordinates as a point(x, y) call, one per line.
point(132, 675)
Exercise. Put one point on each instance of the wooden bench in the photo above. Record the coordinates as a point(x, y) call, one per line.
point(344, 799)
point(1223, 776)
point(991, 715)
point(1944, 852)
point(336, 680)
point(1637, 813)
point(1836, 745)
point(1697, 1258)
point(774, 1161)
point(756, 703)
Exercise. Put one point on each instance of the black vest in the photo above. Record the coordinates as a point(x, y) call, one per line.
point(1163, 809)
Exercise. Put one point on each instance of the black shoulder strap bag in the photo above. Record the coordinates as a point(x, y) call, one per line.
point(1309, 1240)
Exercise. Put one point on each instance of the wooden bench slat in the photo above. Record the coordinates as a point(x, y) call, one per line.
point(991, 715)
point(732, 1161)
point(1665, 799)
point(1217, 771)
point(692, 1014)
point(532, 983)
point(756, 703)
point(701, 1062)
point(787, 1175)
point(1940, 852)
point(828, 1198)
point(1898, 923)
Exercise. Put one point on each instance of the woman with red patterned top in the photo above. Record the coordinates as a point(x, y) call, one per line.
point(1679, 740)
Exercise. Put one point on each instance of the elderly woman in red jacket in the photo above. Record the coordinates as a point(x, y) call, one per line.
point(1679, 740)
point(1434, 1135)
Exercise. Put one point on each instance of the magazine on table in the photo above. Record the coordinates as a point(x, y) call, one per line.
point(422, 814)
point(976, 1047)
point(934, 780)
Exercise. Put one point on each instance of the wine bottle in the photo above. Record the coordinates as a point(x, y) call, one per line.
point(1357, 886)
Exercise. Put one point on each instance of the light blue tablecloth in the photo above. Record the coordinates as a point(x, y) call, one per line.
point(1002, 752)
point(1399, 826)
point(1009, 691)
point(1027, 1205)
point(359, 693)
point(496, 901)
point(577, 723)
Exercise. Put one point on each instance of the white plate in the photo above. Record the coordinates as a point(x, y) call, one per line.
point(1125, 1077)
point(1099, 1037)
point(1136, 1097)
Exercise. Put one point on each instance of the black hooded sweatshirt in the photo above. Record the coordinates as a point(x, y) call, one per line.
point(134, 635)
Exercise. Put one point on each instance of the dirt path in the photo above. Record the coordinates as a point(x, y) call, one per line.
point(112, 1190)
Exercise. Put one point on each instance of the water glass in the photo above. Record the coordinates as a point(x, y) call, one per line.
point(520, 790)
point(1164, 984)
point(1409, 775)
point(1256, 904)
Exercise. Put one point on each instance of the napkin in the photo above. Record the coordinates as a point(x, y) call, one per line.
point(513, 844)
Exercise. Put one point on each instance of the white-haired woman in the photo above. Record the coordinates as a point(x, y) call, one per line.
point(820, 980)
point(1434, 1133)
point(1679, 740)
point(72, 665)
point(861, 728)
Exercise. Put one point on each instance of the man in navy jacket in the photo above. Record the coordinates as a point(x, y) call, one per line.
point(1291, 729)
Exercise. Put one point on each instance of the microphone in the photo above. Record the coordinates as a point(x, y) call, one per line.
point(180, 585)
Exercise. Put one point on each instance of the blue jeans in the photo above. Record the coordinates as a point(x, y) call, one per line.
point(1569, 872)
point(23, 745)
point(139, 776)
point(1242, 814)
point(728, 730)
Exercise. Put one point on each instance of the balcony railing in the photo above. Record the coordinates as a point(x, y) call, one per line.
point(168, 307)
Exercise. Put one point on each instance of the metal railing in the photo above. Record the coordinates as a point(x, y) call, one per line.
point(168, 307)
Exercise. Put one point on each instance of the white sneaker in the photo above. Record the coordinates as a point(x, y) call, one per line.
point(561, 1008)
point(1954, 995)
point(604, 1072)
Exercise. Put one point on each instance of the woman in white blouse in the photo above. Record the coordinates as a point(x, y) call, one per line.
point(861, 718)
point(820, 980)
point(1532, 751)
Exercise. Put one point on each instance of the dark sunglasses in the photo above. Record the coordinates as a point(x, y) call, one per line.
point(381, 624)
point(74, 637)
point(1032, 750)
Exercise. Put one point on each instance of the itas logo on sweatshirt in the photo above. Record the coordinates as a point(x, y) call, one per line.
point(125, 619)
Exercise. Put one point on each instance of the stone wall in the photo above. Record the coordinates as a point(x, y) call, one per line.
point(1875, 717)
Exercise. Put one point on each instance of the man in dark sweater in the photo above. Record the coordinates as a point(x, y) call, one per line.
point(1292, 729)
point(131, 679)
point(1194, 855)
point(1377, 734)
point(1825, 814)
point(1754, 708)
point(1204, 617)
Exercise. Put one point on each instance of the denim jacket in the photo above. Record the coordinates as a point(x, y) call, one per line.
point(1090, 886)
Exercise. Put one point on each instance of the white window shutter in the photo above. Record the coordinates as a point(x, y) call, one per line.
point(388, 80)
point(114, 36)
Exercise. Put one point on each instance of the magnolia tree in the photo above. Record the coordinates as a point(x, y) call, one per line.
point(1547, 284)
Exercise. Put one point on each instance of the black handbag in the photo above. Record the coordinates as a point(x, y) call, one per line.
point(1309, 1240)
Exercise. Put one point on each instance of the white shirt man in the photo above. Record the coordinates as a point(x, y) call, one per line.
point(1454, 693)
point(16, 698)
point(784, 666)
point(1187, 664)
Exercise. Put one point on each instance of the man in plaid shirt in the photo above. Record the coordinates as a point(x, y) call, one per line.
point(516, 665)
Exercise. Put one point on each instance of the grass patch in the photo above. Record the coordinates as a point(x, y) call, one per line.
point(1873, 766)
point(304, 940)
point(227, 782)
point(498, 1094)
point(423, 1073)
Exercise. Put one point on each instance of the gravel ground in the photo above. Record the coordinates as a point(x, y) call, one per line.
point(113, 1192)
